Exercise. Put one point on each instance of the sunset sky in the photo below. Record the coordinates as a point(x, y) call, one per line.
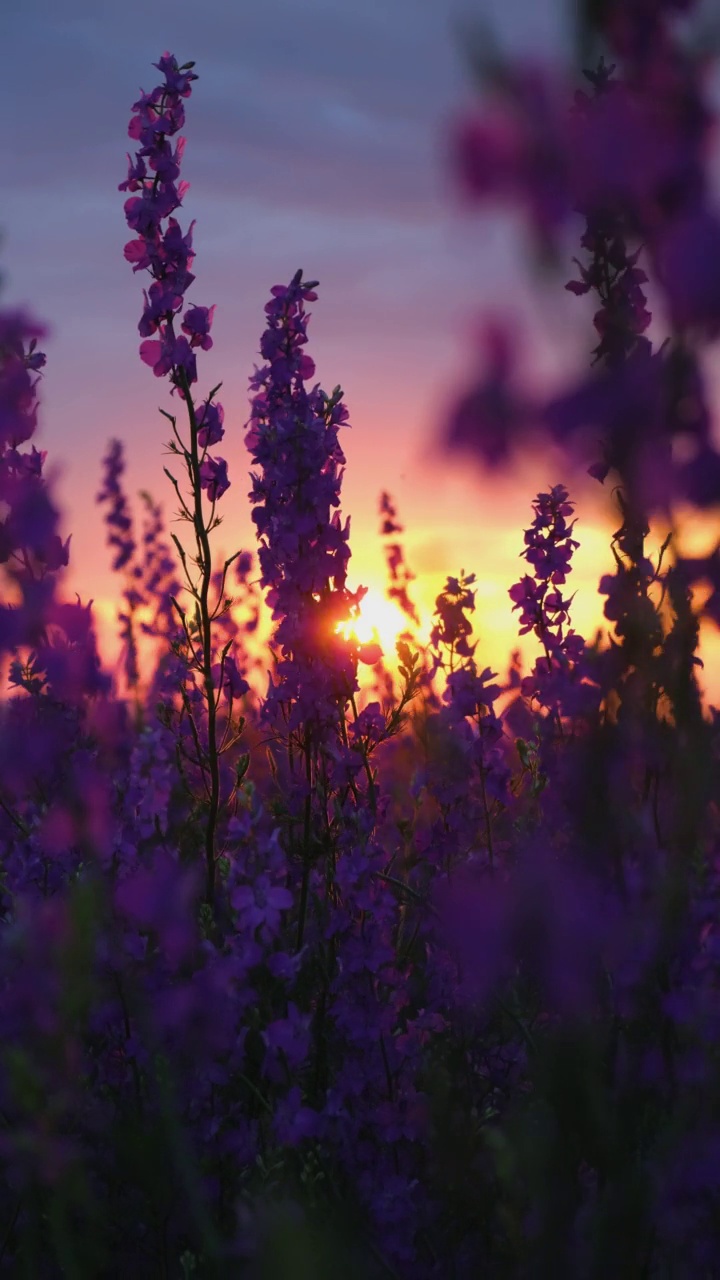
point(316, 138)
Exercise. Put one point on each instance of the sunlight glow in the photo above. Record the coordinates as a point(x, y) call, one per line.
point(380, 621)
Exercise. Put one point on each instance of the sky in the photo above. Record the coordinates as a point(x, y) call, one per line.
point(317, 137)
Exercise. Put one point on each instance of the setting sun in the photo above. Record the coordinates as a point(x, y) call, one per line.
point(379, 621)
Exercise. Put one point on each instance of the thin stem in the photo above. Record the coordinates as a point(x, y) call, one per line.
point(205, 627)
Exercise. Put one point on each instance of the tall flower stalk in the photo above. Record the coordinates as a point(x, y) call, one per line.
point(168, 255)
point(304, 551)
point(544, 610)
point(120, 535)
point(400, 574)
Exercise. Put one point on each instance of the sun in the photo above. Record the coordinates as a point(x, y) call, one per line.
point(379, 621)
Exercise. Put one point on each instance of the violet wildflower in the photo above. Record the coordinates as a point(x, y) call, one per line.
point(120, 536)
point(529, 148)
point(210, 419)
point(471, 785)
point(60, 653)
point(117, 518)
point(29, 542)
point(168, 254)
point(544, 609)
point(214, 478)
point(400, 574)
point(261, 903)
point(304, 551)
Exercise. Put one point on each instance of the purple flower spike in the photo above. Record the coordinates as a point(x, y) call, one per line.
point(167, 254)
point(304, 547)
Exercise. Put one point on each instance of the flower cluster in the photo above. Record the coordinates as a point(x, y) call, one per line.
point(651, 192)
point(304, 547)
point(400, 574)
point(29, 543)
point(544, 609)
point(168, 255)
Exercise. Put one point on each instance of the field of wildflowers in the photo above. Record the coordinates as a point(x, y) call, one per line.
point(404, 967)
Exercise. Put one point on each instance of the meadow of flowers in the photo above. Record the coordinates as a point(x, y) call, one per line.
point(403, 967)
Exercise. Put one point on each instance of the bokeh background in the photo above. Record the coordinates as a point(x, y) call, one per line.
point(318, 137)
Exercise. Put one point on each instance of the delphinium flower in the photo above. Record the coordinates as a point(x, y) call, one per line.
point(544, 609)
point(304, 546)
point(652, 193)
point(30, 546)
point(626, 1048)
point(51, 643)
point(644, 465)
point(612, 272)
point(303, 552)
point(641, 404)
point(663, 403)
point(400, 574)
point(668, 189)
point(168, 255)
point(121, 537)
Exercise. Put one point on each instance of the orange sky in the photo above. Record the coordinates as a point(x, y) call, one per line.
point(457, 520)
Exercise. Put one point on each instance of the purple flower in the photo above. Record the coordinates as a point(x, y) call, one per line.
point(166, 253)
point(549, 547)
point(214, 477)
point(163, 302)
point(261, 903)
point(289, 1036)
point(293, 1121)
point(117, 518)
point(167, 354)
point(197, 322)
point(370, 724)
point(233, 684)
point(468, 694)
point(293, 439)
point(157, 898)
point(210, 417)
